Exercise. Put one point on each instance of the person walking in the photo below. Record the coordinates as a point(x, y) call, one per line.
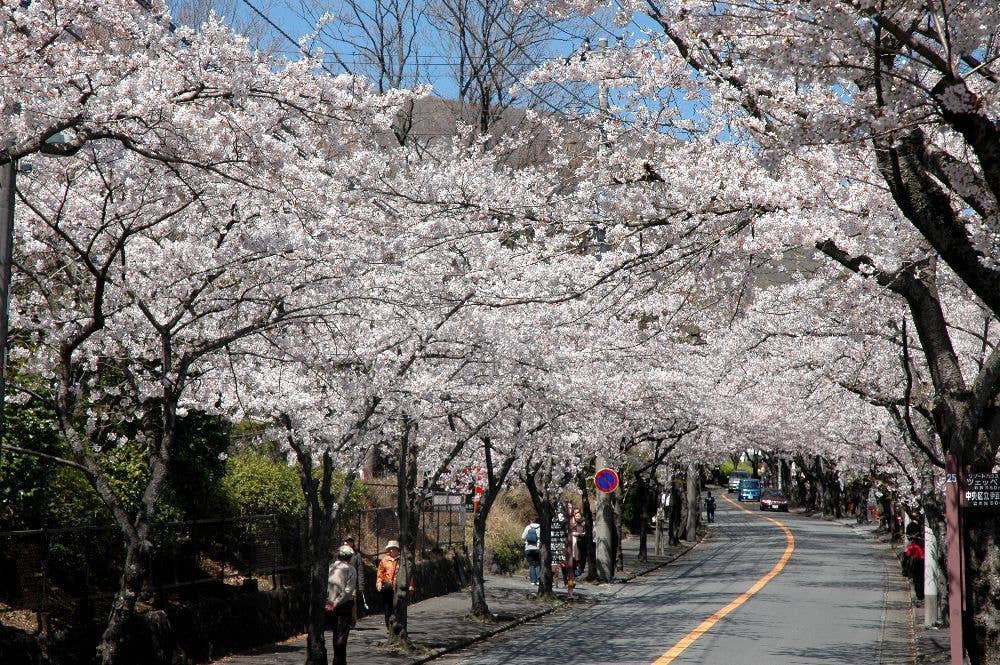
point(913, 558)
point(340, 587)
point(385, 579)
point(360, 605)
point(579, 542)
point(710, 506)
point(532, 534)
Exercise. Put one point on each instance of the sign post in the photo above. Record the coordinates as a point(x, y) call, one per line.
point(956, 569)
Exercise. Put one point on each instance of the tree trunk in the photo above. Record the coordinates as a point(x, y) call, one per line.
point(319, 567)
point(589, 551)
point(407, 503)
point(784, 475)
point(642, 490)
point(604, 555)
point(982, 531)
point(321, 515)
point(544, 508)
point(674, 518)
point(480, 608)
point(694, 504)
point(545, 549)
point(935, 596)
point(801, 491)
point(604, 549)
point(123, 607)
point(685, 510)
point(836, 495)
point(137, 545)
point(495, 479)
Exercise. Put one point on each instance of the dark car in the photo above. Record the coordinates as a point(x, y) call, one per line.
point(772, 499)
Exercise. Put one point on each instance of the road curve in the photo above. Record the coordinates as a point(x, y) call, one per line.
point(824, 606)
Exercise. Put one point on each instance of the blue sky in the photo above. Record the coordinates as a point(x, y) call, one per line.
point(435, 66)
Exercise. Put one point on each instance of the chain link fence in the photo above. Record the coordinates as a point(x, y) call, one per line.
point(43, 570)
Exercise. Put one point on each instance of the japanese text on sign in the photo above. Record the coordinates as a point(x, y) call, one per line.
point(558, 538)
point(981, 490)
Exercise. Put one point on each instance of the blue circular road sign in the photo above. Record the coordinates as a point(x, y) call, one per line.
point(606, 480)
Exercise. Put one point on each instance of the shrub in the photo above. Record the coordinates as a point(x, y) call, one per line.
point(256, 484)
point(508, 555)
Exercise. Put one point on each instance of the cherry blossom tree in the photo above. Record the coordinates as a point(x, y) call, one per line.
point(176, 229)
point(877, 126)
point(311, 385)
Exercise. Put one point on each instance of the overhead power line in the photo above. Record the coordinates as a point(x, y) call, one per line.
point(281, 31)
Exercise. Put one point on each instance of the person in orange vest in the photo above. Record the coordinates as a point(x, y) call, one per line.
point(385, 579)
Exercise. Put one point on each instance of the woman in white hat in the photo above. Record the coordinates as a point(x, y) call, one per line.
point(341, 583)
point(385, 580)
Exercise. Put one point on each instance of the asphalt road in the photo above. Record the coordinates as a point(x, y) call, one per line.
point(825, 605)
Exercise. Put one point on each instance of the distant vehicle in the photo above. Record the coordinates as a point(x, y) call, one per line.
point(772, 499)
point(734, 480)
point(749, 490)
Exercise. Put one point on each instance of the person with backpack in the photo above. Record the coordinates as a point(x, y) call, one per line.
point(532, 534)
point(710, 506)
point(340, 588)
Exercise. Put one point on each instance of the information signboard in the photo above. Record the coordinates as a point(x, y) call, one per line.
point(981, 490)
point(558, 538)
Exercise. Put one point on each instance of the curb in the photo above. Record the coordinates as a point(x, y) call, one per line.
point(458, 646)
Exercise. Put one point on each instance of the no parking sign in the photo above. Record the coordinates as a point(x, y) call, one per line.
point(606, 480)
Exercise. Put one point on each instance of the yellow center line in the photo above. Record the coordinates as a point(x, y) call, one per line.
point(707, 624)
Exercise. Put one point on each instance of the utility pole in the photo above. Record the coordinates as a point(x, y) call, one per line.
point(8, 183)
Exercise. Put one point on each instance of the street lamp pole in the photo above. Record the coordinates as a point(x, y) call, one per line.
point(8, 182)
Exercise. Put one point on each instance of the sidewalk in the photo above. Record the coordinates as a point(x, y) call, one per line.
point(905, 638)
point(442, 624)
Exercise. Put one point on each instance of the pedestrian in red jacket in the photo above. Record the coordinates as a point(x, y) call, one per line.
point(914, 554)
